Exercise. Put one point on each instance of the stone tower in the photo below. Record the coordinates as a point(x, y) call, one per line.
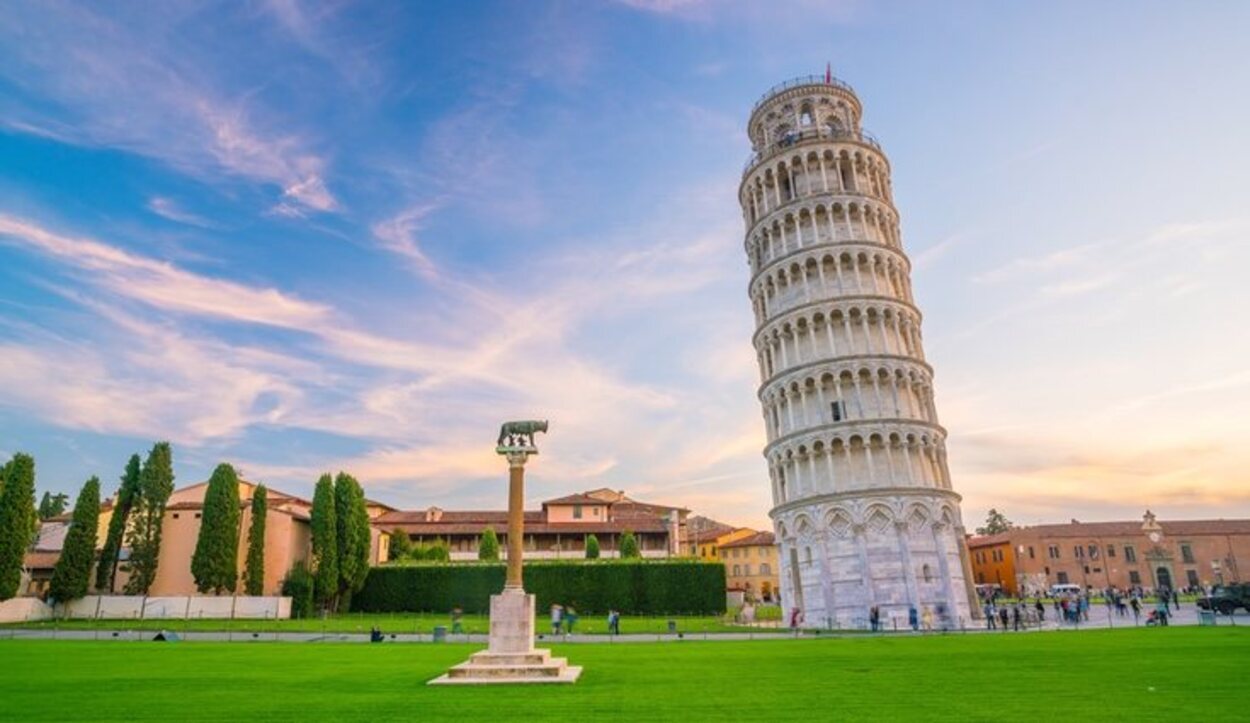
point(862, 500)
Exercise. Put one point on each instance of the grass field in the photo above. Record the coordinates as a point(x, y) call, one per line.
point(1157, 674)
point(388, 622)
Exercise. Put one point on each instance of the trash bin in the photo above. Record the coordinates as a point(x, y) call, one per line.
point(672, 626)
point(1206, 617)
point(440, 633)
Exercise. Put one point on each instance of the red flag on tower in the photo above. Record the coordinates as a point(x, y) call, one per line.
point(828, 73)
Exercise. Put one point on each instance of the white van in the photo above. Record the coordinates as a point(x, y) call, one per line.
point(1064, 590)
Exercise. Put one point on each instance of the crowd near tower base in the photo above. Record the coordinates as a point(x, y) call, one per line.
point(511, 656)
point(868, 524)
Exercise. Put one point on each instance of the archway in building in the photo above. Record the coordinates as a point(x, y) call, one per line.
point(1163, 578)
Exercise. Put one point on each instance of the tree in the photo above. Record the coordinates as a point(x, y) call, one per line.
point(995, 523)
point(353, 538)
point(52, 505)
point(215, 563)
point(106, 570)
point(629, 546)
point(254, 574)
point(156, 482)
point(401, 545)
point(72, 575)
point(17, 518)
point(592, 547)
point(488, 546)
point(325, 547)
point(298, 586)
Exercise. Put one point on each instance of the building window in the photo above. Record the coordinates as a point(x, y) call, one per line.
point(765, 569)
point(807, 553)
point(737, 570)
point(926, 573)
point(1187, 554)
point(1093, 552)
point(839, 411)
point(746, 570)
point(1110, 550)
point(1053, 552)
point(197, 515)
point(1063, 578)
point(1192, 577)
point(175, 515)
point(1079, 552)
point(577, 512)
point(1130, 555)
point(1134, 577)
point(1030, 552)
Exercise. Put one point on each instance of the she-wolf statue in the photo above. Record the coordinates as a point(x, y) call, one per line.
point(520, 434)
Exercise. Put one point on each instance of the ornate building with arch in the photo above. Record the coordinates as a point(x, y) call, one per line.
point(862, 501)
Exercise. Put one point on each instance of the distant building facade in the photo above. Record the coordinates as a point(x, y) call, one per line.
point(1149, 554)
point(751, 566)
point(288, 540)
point(558, 530)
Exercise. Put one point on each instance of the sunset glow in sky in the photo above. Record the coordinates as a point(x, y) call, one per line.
point(305, 236)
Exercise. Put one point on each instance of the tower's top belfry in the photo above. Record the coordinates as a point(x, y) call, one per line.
point(805, 108)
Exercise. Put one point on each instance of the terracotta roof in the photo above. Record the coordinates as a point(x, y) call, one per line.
point(577, 499)
point(989, 540)
point(1174, 528)
point(41, 559)
point(297, 512)
point(759, 539)
point(480, 517)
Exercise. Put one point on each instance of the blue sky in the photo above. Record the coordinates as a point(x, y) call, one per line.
point(301, 236)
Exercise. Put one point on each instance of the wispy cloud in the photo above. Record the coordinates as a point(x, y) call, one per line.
point(398, 235)
point(169, 209)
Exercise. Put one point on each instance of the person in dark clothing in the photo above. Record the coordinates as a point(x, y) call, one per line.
point(1041, 610)
point(1002, 617)
point(874, 618)
point(1015, 617)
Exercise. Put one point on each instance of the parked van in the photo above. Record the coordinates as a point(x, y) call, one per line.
point(1064, 590)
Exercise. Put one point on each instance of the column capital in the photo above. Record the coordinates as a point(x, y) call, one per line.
point(516, 458)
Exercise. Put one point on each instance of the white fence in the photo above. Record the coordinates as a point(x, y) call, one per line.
point(132, 607)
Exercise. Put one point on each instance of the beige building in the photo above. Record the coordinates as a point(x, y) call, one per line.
point(751, 565)
point(288, 540)
point(559, 529)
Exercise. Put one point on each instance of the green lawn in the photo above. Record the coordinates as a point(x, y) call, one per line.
point(1156, 674)
point(388, 622)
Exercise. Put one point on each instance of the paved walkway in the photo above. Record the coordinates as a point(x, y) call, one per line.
point(1099, 620)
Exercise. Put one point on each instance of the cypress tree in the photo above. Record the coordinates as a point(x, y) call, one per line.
point(72, 574)
point(401, 545)
point(45, 506)
point(629, 546)
point(106, 571)
point(254, 575)
point(17, 517)
point(156, 482)
point(325, 547)
point(215, 564)
point(488, 546)
point(352, 520)
point(592, 547)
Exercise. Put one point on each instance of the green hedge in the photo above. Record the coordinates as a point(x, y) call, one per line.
point(634, 587)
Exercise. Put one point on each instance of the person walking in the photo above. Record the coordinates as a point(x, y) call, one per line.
point(926, 618)
point(1015, 617)
point(1003, 615)
point(796, 617)
point(1176, 600)
point(1135, 603)
point(1161, 608)
point(457, 627)
point(874, 618)
point(614, 623)
point(1041, 610)
point(990, 615)
point(557, 618)
point(913, 618)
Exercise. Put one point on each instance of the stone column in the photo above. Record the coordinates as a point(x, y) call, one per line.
point(516, 519)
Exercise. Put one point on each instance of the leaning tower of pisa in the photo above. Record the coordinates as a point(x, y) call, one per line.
point(862, 500)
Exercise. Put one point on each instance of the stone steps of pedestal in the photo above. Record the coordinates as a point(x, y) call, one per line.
point(553, 668)
point(537, 657)
point(568, 674)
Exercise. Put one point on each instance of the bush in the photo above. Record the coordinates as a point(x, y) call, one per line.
point(434, 552)
point(488, 547)
point(592, 547)
point(685, 587)
point(629, 546)
point(298, 586)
